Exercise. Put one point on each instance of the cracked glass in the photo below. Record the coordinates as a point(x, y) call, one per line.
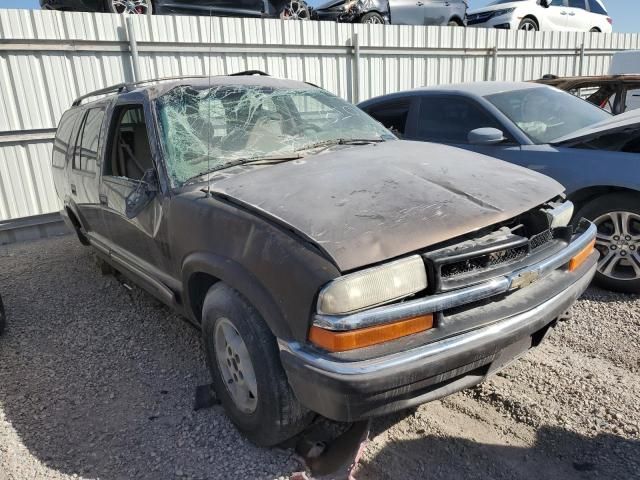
point(209, 129)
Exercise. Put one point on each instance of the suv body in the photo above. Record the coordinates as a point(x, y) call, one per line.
point(396, 12)
point(347, 272)
point(545, 15)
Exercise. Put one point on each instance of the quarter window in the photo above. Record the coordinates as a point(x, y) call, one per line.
point(63, 139)
point(577, 4)
point(596, 7)
point(450, 119)
point(85, 155)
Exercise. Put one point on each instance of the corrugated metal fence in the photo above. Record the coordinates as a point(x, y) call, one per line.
point(49, 58)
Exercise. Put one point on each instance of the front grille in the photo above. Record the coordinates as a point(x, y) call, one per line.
point(541, 239)
point(483, 262)
point(478, 18)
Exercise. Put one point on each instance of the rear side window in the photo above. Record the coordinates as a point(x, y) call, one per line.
point(596, 7)
point(63, 138)
point(577, 4)
point(392, 115)
point(450, 119)
point(85, 157)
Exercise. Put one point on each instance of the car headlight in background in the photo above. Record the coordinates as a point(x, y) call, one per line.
point(560, 215)
point(504, 11)
point(373, 286)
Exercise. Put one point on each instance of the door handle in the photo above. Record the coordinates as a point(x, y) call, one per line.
point(420, 4)
point(73, 189)
point(103, 200)
point(572, 14)
point(563, 13)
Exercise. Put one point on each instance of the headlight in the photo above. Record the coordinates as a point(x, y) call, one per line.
point(561, 215)
point(504, 11)
point(349, 5)
point(374, 286)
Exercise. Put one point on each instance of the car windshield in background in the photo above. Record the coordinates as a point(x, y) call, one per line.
point(209, 129)
point(498, 2)
point(545, 114)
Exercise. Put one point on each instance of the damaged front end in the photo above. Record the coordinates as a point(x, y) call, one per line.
point(351, 11)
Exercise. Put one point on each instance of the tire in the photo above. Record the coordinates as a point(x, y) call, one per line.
point(372, 17)
point(615, 271)
point(453, 23)
point(595, 30)
point(3, 317)
point(297, 10)
point(140, 7)
point(272, 413)
point(529, 25)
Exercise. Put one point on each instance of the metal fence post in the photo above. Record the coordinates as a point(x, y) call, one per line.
point(495, 64)
point(581, 71)
point(355, 44)
point(133, 46)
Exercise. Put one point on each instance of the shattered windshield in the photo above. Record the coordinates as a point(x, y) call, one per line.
point(205, 130)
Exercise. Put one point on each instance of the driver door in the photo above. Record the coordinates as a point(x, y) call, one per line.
point(556, 15)
point(408, 12)
point(138, 242)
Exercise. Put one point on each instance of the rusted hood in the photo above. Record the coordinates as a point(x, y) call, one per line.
point(367, 204)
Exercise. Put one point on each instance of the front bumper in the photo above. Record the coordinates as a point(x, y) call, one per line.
point(346, 390)
point(504, 22)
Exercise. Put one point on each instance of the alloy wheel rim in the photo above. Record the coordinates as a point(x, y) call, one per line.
point(618, 242)
point(528, 27)
point(134, 7)
point(296, 11)
point(374, 20)
point(235, 366)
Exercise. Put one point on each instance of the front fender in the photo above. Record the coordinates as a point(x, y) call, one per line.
point(237, 277)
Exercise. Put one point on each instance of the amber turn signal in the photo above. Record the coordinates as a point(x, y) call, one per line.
point(335, 341)
point(579, 259)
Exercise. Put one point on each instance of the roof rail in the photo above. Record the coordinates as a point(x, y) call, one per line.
point(129, 86)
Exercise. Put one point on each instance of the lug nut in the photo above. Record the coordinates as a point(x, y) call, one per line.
point(627, 238)
point(616, 238)
point(613, 247)
point(632, 247)
point(623, 253)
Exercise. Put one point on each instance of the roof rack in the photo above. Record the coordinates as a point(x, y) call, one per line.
point(130, 86)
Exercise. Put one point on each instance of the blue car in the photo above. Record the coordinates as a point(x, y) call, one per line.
point(595, 155)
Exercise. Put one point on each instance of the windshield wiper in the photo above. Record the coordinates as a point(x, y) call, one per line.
point(340, 141)
point(269, 160)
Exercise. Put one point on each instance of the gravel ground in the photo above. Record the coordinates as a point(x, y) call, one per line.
point(98, 381)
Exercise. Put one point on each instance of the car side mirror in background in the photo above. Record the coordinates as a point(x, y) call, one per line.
point(143, 194)
point(545, 3)
point(485, 136)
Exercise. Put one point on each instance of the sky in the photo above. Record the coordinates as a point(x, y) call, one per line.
point(625, 13)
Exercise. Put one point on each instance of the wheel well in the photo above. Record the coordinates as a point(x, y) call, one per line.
point(458, 20)
point(596, 29)
point(581, 197)
point(532, 17)
point(197, 288)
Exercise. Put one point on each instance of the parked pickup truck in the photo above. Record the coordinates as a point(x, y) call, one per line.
point(331, 267)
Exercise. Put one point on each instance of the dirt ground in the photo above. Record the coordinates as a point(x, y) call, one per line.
point(98, 381)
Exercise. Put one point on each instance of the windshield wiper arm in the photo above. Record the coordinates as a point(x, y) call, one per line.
point(340, 141)
point(269, 160)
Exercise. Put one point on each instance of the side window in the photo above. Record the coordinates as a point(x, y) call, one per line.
point(392, 115)
point(577, 4)
point(85, 156)
point(557, 3)
point(129, 153)
point(633, 99)
point(596, 7)
point(450, 119)
point(63, 139)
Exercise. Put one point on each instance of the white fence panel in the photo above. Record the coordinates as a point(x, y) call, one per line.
point(47, 59)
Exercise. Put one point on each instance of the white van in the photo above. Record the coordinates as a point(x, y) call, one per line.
point(627, 63)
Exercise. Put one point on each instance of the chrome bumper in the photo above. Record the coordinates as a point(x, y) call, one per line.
point(502, 284)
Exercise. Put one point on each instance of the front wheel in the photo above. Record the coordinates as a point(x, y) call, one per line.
point(133, 7)
point(296, 10)
point(617, 217)
point(247, 375)
point(528, 25)
point(372, 17)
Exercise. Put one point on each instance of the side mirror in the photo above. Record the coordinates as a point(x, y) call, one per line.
point(485, 136)
point(144, 193)
point(545, 3)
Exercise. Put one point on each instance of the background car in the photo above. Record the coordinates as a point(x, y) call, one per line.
point(293, 9)
point(558, 15)
point(592, 153)
point(397, 12)
point(614, 93)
